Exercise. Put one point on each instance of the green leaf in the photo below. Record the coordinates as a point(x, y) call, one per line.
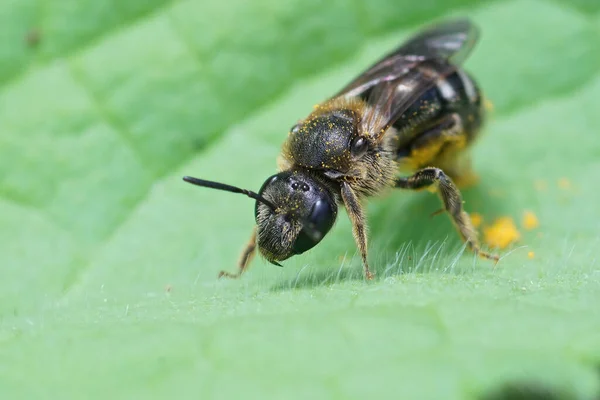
point(109, 261)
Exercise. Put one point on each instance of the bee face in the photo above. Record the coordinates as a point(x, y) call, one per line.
point(306, 211)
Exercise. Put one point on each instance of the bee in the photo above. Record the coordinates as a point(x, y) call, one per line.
point(414, 110)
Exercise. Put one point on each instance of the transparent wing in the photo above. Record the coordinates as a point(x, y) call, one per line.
point(450, 40)
point(390, 99)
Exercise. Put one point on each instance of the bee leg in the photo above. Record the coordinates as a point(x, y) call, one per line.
point(245, 258)
point(357, 217)
point(450, 195)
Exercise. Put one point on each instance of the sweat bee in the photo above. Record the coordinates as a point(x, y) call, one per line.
point(415, 109)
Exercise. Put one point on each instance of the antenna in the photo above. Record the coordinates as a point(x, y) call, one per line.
point(307, 226)
point(229, 188)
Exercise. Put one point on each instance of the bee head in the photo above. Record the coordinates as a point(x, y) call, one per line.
point(293, 211)
point(305, 210)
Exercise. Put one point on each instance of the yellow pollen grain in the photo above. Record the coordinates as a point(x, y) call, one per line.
point(531, 255)
point(530, 221)
point(476, 219)
point(495, 192)
point(540, 185)
point(489, 106)
point(564, 184)
point(502, 233)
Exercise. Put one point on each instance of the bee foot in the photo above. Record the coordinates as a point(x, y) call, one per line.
point(493, 257)
point(225, 274)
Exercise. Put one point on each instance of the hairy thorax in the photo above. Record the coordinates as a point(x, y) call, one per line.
point(323, 143)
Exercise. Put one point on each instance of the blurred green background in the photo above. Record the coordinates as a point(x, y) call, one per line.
point(108, 261)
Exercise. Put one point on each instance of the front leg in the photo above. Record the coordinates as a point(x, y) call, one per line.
point(359, 229)
point(450, 196)
point(245, 258)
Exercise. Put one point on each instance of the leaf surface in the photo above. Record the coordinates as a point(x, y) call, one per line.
point(109, 261)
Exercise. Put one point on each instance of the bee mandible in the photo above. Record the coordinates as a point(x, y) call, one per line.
point(415, 109)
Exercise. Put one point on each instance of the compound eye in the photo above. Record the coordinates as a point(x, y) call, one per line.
point(321, 218)
point(359, 146)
